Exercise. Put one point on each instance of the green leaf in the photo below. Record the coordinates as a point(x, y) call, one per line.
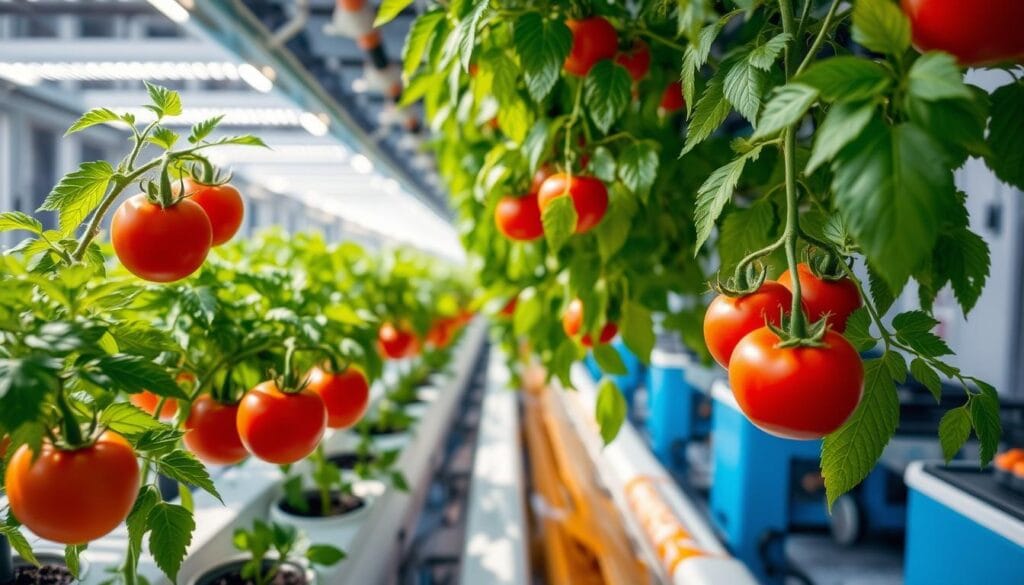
point(609, 359)
point(156, 442)
point(637, 328)
point(963, 257)
point(954, 430)
point(858, 330)
point(515, 119)
point(985, 416)
point(1006, 134)
point(529, 310)
point(850, 453)
point(201, 303)
point(567, 353)
point(127, 419)
point(744, 86)
point(716, 191)
point(163, 137)
point(78, 193)
point(711, 110)
point(16, 220)
point(914, 328)
point(388, 10)
point(170, 533)
point(842, 125)
point(893, 189)
point(846, 79)
point(927, 376)
point(93, 117)
point(166, 102)
point(897, 366)
point(420, 36)
point(881, 293)
point(881, 26)
point(936, 76)
point(610, 411)
point(203, 129)
point(542, 46)
point(613, 231)
point(24, 385)
point(184, 467)
point(638, 167)
point(746, 230)
point(243, 140)
point(324, 555)
point(606, 93)
point(959, 125)
point(134, 374)
point(18, 541)
point(764, 56)
point(465, 32)
point(559, 219)
point(786, 107)
point(72, 558)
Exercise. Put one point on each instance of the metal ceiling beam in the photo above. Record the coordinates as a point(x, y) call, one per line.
point(58, 50)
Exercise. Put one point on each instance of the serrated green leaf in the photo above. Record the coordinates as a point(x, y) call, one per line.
point(897, 366)
point(203, 129)
point(746, 230)
point(609, 359)
point(613, 231)
point(515, 119)
point(711, 110)
point(963, 257)
point(72, 558)
point(959, 125)
point(163, 137)
point(127, 419)
point(881, 26)
point(78, 193)
point(744, 86)
point(764, 56)
point(858, 330)
point(610, 410)
point(846, 79)
point(170, 533)
point(936, 76)
point(133, 374)
point(18, 541)
point(93, 117)
point(25, 384)
point(638, 167)
point(542, 46)
point(985, 417)
point(559, 219)
point(243, 140)
point(421, 34)
point(892, 189)
point(16, 220)
point(842, 125)
point(166, 102)
point(954, 430)
point(184, 467)
point(849, 454)
point(388, 10)
point(716, 191)
point(1006, 134)
point(637, 330)
point(924, 374)
point(786, 107)
point(606, 93)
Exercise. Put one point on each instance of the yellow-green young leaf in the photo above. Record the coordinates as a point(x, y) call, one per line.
point(842, 125)
point(606, 93)
point(127, 419)
point(786, 107)
point(170, 533)
point(93, 117)
point(637, 329)
point(420, 36)
point(985, 416)
point(1006, 134)
point(954, 429)
point(165, 138)
point(567, 353)
point(881, 26)
point(609, 360)
point(542, 46)
point(638, 167)
point(388, 10)
point(515, 120)
point(529, 310)
point(16, 220)
point(610, 410)
point(559, 219)
point(716, 191)
point(165, 102)
point(936, 76)
point(846, 79)
point(203, 129)
point(763, 56)
point(711, 110)
point(850, 453)
point(78, 193)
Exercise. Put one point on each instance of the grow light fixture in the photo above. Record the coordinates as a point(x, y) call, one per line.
point(171, 9)
point(31, 73)
point(315, 124)
point(258, 79)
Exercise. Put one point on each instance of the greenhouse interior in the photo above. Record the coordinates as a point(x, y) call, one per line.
point(511, 292)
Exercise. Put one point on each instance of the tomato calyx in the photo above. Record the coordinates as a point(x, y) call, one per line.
point(748, 279)
point(824, 264)
point(204, 173)
point(814, 335)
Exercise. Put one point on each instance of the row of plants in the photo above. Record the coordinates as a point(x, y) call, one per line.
point(610, 161)
point(191, 352)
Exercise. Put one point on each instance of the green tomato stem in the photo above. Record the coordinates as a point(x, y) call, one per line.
point(826, 24)
point(69, 424)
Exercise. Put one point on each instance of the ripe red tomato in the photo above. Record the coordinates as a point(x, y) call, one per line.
point(518, 218)
point(593, 39)
point(796, 392)
point(396, 342)
point(979, 32)
point(540, 176)
point(836, 298)
point(442, 332)
point(608, 333)
point(346, 395)
point(73, 497)
point(637, 60)
point(148, 402)
point(510, 307)
point(572, 322)
point(278, 427)
point(730, 319)
point(222, 204)
point(157, 244)
point(672, 100)
point(589, 197)
point(211, 432)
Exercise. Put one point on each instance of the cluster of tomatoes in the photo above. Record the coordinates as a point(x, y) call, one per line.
point(982, 32)
point(801, 391)
point(167, 243)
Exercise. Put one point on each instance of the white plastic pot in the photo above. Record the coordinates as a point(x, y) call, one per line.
point(337, 531)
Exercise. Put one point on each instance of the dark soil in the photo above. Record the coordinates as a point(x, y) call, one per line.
point(349, 459)
point(230, 575)
point(340, 504)
point(44, 575)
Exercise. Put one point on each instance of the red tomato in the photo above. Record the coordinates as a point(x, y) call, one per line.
point(572, 322)
point(278, 427)
point(672, 99)
point(211, 432)
point(589, 197)
point(442, 332)
point(396, 342)
point(222, 204)
point(836, 298)
point(73, 497)
point(157, 244)
point(518, 218)
point(796, 392)
point(5, 442)
point(593, 39)
point(637, 60)
point(540, 176)
point(730, 319)
point(346, 395)
point(979, 32)
point(148, 402)
point(510, 307)
point(608, 333)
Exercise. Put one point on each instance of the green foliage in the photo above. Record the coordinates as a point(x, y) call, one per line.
point(611, 410)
